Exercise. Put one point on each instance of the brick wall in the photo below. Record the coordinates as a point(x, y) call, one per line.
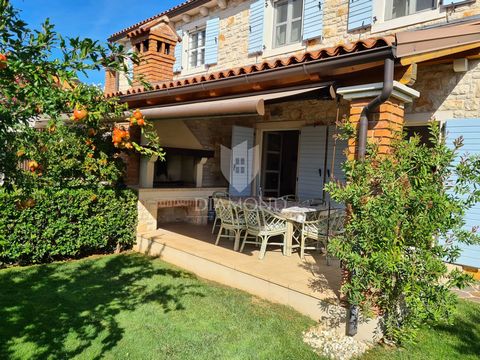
point(385, 124)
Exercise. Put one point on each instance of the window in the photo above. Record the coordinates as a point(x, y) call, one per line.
point(398, 8)
point(288, 22)
point(196, 49)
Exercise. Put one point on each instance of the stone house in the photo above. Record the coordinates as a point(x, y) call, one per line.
point(277, 74)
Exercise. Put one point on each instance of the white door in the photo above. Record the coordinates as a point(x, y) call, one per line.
point(242, 170)
point(311, 162)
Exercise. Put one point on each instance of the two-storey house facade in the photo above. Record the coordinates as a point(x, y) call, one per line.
point(276, 75)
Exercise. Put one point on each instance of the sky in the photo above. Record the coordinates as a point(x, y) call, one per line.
point(96, 19)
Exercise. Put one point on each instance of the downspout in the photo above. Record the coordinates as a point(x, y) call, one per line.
point(388, 71)
point(372, 105)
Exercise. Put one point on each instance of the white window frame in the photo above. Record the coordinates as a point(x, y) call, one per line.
point(411, 10)
point(197, 50)
point(269, 33)
point(380, 24)
point(289, 21)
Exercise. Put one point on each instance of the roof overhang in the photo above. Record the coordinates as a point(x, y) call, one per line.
point(446, 40)
point(282, 77)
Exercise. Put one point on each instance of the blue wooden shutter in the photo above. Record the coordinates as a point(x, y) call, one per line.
point(359, 14)
point(255, 37)
point(211, 41)
point(177, 67)
point(311, 162)
point(470, 130)
point(339, 146)
point(312, 19)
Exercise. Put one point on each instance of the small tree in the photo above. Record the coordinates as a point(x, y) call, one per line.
point(67, 200)
point(405, 217)
point(39, 80)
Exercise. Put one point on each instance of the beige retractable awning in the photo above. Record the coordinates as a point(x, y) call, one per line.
point(244, 105)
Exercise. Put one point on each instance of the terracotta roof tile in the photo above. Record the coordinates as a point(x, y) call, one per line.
point(135, 26)
point(358, 46)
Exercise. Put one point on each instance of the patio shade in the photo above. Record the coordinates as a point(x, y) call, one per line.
point(242, 105)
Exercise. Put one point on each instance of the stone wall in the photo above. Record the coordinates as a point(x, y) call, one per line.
point(442, 89)
point(212, 133)
point(311, 112)
point(234, 31)
point(336, 17)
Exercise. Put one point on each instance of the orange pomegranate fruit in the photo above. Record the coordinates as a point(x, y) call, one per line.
point(79, 115)
point(3, 61)
point(137, 114)
point(32, 165)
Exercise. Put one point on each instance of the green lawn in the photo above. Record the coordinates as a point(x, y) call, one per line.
point(133, 307)
point(461, 340)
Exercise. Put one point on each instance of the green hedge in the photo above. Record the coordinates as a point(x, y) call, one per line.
point(57, 224)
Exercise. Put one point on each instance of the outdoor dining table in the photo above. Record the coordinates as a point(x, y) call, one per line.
point(294, 213)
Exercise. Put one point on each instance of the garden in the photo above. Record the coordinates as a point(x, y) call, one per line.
point(65, 209)
point(132, 306)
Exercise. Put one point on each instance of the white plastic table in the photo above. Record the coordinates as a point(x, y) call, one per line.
point(294, 213)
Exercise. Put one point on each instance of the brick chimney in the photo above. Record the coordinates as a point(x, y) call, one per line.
point(155, 43)
point(111, 85)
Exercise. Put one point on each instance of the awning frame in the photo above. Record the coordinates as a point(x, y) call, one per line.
point(246, 104)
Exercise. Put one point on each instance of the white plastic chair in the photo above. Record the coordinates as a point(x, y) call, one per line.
point(217, 195)
point(320, 230)
point(231, 226)
point(263, 224)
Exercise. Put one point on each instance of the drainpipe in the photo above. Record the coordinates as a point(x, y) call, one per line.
point(387, 89)
point(372, 105)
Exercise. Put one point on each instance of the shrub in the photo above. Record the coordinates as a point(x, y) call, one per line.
point(52, 224)
point(406, 217)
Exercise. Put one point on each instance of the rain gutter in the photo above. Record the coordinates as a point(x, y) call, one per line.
point(296, 70)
